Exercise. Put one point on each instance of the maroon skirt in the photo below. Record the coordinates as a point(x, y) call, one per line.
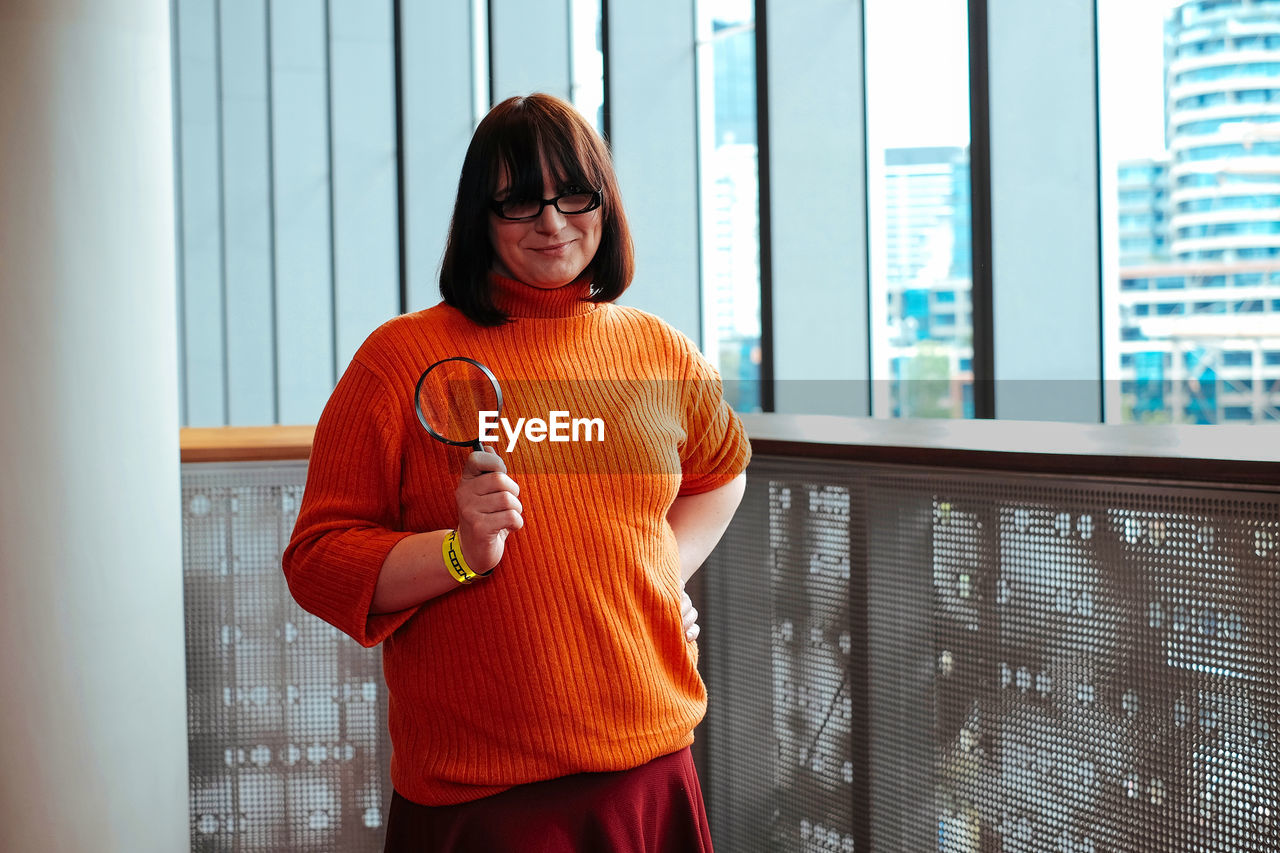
point(655, 808)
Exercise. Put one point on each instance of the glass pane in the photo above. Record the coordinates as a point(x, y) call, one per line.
point(730, 186)
point(1189, 99)
point(917, 60)
point(587, 60)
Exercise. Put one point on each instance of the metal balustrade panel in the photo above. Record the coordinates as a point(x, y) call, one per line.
point(287, 716)
point(1042, 664)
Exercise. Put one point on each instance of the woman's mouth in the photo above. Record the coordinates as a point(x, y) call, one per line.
point(554, 249)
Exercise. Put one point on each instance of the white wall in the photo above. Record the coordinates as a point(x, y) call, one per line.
point(93, 732)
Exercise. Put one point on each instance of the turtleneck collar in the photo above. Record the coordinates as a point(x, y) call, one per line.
point(517, 299)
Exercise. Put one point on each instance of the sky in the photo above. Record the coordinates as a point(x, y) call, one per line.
point(1131, 68)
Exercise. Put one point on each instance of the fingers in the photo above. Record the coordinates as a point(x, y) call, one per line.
point(689, 616)
point(485, 525)
point(478, 463)
point(493, 502)
point(488, 514)
point(487, 484)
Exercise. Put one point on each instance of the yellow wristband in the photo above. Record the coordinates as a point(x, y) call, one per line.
point(455, 562)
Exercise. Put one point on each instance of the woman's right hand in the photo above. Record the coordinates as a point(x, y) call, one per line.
point(489, 509)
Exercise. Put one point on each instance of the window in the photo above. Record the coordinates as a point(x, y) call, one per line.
point(919, 206)
point(586, 60)
point(730, 196)
point(1237, 358)
point(1195, 83)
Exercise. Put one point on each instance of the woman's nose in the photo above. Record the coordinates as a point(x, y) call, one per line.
point(550, 220)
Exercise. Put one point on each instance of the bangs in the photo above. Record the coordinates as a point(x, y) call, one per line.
point(528, 144)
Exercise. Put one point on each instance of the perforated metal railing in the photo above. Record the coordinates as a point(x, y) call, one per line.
point(899, 659)
point(287, 726)
point(905, 659)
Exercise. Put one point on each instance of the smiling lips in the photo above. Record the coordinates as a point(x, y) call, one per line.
point(550, 249)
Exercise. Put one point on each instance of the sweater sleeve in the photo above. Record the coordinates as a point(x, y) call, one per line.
point(716, 448)
point(348, 520)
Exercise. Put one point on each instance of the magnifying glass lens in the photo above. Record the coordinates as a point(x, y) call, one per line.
point(451, 394)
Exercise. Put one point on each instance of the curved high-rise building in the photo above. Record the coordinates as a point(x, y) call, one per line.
point(1222, 109)
point(1199, 229)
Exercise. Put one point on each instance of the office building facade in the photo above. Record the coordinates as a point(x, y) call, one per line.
point(1199, 232)
point(928, 262)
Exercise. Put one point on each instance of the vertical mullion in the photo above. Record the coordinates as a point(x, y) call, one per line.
point(869, 397)
point(1102, 298)
point(493, 91)
point(222, 213)
point(271, 222)
point(333, 251)
point(606, 129)
point(982, 287)
point(180, 272)
point(763, 206)
point(397, 60)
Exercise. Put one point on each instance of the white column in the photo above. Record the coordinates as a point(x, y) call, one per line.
point(655, 151)
point(436, 44)
point(93, 750)
point(1044, 209)
point(529, 47)
point(818, 167)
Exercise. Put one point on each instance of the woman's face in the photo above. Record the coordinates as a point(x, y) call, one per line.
point(546, 252)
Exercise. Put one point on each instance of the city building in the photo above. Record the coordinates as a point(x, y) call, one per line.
point(1143, 191)
point(1199, 231)
point(928, 261)
point(1222, 126)
point(1200, 343)
point(731, 215)
point(731, 270)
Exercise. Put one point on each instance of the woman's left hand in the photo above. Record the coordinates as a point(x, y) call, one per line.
point(690, 617)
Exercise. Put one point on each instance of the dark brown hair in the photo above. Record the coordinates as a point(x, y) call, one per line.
point(515, 137)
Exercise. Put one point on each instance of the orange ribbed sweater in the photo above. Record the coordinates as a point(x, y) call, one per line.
point(571, 657)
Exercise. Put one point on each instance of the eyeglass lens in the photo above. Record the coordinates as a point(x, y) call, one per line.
point(569, 203)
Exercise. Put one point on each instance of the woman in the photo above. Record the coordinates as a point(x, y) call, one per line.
point(544, 698)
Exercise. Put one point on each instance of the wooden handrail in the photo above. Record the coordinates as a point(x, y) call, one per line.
point(246, 444)
point(1236, 454)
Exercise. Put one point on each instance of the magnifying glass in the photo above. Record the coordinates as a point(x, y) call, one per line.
point(449, 397)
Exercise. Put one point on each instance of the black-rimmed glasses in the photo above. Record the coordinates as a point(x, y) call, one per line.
point(574, 201)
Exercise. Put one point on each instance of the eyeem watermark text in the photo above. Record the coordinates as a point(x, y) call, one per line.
point(558, 427)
